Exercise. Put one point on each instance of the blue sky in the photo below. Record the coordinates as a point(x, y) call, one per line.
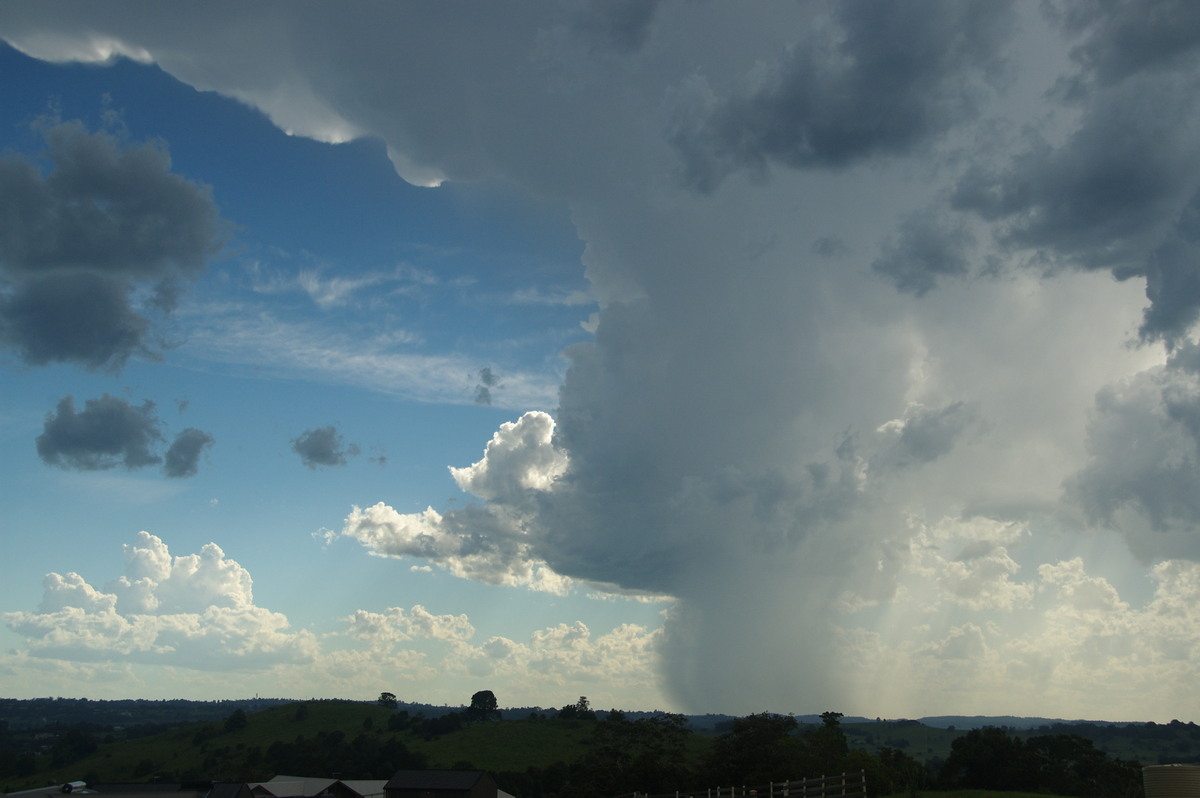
point(686, 356)
point(439, 284)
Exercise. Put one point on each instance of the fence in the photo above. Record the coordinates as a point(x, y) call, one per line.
point(845, 785)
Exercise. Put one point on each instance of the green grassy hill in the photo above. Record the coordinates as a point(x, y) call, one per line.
point(308, 734)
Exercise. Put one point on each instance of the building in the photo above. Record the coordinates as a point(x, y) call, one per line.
point(443, 784)
point(306, 787)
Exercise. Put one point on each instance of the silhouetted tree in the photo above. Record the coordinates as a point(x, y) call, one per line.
point(757, 749)
point(580, 710)
point(826, 747)
point(236, 720)
point(483, 707)
point(387, 700)
point(987, 759)
point(646, 755)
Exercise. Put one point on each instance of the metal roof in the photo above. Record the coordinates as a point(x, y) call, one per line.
point(434, 779)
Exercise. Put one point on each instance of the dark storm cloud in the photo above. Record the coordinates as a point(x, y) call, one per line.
point(1104, 195)
point(93, 248)
point(829, 247)
point(1129, 36)
point(323, 446)
point(620, 25)
point(183, 457)
point(107, 433)
point(930, 433)
point(881, 79)
point(1173, 278)
point(928, 248)
point(1142, 476)
point(1120, 192)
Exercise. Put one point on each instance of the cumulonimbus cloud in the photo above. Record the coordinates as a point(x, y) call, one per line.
point(821, 452)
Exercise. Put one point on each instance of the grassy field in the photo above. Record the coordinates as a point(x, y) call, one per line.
point(915, 739)
point(208, 750)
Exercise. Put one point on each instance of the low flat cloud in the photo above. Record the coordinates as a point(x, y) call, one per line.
point(94, 253)
point(323, 446)
point(110, 432)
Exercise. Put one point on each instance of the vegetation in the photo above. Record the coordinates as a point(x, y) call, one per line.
point(582, 752)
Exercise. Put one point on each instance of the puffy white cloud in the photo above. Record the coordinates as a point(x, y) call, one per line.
point(520, 457)
point(192, 611)
point(396, 626)
point(485, 544)
point(491, 543)
point(569, 657)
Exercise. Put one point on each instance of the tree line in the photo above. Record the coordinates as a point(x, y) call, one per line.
point(648, 754)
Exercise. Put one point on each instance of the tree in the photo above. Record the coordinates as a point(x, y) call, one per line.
point(387, 700)
point(483, 706)
point(987, 759)
point(236, 720)
point(645, 755)
point(580, 710)
point(827, 746)
point(757, 749)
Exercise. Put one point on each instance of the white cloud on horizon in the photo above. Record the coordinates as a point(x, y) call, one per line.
point(193, 611)
point(196, 614)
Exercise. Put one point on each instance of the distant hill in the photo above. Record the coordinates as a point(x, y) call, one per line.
point(1008, 721)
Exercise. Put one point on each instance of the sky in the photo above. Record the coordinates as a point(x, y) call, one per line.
point(693, 356)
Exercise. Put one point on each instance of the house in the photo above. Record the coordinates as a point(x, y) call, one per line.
point(306, 787)
point(442, 784)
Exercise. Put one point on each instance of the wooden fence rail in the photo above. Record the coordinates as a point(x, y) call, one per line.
point(845, 785)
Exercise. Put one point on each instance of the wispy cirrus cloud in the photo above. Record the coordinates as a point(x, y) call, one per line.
point(250, 336)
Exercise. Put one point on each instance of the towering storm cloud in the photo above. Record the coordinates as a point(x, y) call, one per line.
point(887, 293)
